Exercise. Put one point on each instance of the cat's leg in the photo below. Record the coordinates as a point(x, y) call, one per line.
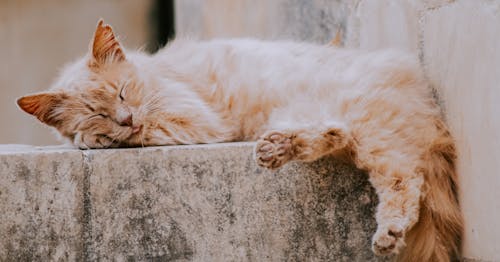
point(277, 147)
point(399, 190)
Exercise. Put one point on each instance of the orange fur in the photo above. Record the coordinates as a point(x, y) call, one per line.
point(299, 101)
point(337, 41)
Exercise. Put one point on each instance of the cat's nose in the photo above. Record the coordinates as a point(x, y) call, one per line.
point(127, 121)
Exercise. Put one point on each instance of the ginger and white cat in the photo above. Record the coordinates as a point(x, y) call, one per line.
point(299, 102)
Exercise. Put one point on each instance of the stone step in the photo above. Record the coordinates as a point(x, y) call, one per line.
point(179, 203)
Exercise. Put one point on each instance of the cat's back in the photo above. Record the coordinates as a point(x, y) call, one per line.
point(249, 78)
point(282, 70)
point(251, 51)
point(288, 59)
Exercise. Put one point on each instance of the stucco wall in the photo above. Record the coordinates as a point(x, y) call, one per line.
point(458, 44)
point(316, 20)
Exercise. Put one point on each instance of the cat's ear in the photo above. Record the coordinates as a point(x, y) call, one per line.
point(44, 106)
point(105, 48)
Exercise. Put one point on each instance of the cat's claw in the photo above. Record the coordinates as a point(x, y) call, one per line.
point(388, 240)
point(273, 150)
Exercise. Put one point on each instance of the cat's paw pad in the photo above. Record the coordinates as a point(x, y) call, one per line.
point(273, 150)
point(388, 240)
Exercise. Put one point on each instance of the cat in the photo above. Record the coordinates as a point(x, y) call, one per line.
point(299, 101)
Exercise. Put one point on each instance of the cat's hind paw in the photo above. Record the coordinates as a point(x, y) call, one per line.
point(273, 149)
point(388, 240)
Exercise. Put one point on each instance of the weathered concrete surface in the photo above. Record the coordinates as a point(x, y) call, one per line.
point(212, 203)
point(182, 203)
point(40, 203)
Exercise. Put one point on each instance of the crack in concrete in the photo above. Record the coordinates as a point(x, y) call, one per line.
point(87, 252)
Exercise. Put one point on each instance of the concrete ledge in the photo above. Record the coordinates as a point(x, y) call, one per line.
point(41, 203)
point(196, 203)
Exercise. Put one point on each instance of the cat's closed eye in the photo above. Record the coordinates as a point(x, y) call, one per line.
point(122, 93)
point(98, 116)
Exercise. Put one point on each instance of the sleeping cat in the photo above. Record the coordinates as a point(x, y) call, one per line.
point(299, 101)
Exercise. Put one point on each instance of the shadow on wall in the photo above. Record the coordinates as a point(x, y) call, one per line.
point(38, 37)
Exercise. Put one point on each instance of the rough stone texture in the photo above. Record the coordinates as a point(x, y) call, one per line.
point(40, 203)
point(182, 203)
point(212, 203)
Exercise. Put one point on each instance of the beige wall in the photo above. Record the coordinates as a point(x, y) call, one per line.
point(38, 37)
point(276, 19)
point(459, 46)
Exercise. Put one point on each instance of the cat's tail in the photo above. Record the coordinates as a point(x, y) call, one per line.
point(437, 234)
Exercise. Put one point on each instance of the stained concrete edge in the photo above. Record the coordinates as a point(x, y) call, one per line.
point(196, 203)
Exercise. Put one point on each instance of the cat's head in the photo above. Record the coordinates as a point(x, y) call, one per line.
point(98, 101)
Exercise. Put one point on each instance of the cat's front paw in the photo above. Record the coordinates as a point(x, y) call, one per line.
point(388, 240)
point(92, 141)
point(273, 149)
